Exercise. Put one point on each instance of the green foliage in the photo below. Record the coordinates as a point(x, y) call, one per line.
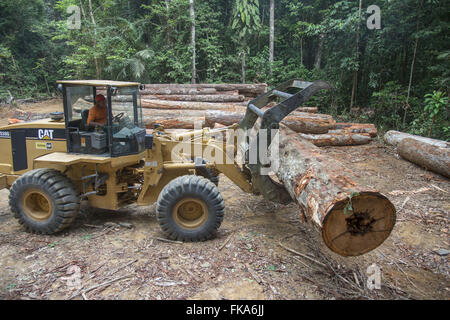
point(389, 105)
point(436, 104)
point(149, 41)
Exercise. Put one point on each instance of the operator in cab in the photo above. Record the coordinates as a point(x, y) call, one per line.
point(98, 113)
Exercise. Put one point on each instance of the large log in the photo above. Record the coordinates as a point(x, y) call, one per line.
point(432, 157)
point(369, 128)
point(228, 97)
point(243, 88)
point(393, 138)
point(168, 91)
point(353, 218)
point(337, 139)
point(175, 122)
point(174, 113)
point(188, 105)
point(299, 122)
point(198, 98)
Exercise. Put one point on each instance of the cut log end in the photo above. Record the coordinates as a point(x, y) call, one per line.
point(362, 229)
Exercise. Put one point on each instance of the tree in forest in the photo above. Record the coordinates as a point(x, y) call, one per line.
point(246, 21)
point(271, 32)
point(192, 16)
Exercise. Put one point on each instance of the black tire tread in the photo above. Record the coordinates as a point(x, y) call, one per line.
point(199, 187)
point(60, 189)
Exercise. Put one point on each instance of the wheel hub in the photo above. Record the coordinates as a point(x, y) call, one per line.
point(190, 213)
point(37, 205)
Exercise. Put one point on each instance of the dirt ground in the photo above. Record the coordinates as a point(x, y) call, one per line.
point(262, 250)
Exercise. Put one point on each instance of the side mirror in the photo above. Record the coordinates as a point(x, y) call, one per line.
point(142, 87)
point(113, 90)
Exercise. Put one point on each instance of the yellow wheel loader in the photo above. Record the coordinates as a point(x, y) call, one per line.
point(50, 165)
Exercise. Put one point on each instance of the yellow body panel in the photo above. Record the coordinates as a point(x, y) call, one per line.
point(35, 147)
point(155, 166)
point(42, 123)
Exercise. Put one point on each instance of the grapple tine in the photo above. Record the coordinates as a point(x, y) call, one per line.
point(278, 112)
point(270, 119)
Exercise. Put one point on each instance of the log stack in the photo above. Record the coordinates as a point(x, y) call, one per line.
point(177, 106)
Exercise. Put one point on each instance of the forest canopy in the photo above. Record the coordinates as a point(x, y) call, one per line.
point(396, 76)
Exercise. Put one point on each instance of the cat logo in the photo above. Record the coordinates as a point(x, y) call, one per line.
point(45, 134)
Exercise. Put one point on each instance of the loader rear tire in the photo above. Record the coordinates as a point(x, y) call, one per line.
point(44, 201)
point(190, 208)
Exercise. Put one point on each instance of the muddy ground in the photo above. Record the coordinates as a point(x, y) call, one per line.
point(262, 250)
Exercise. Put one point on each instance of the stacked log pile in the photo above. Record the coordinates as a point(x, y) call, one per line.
point(179, 106)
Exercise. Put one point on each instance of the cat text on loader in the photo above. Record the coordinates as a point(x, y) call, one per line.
point(50, 165)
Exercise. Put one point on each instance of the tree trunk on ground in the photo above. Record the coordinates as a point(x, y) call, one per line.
point(198, 97)
point(355, 128)
point(173, 114)
point(189, 105)
point(426, 155)
point(174, 123)
point(243, 88)
point(393, 138)
point(353, 219)
point(337, 139)
point(192, 15)
point(299, 122)
point(169, 91)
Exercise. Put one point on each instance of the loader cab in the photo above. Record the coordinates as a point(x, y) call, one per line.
point(124, 132)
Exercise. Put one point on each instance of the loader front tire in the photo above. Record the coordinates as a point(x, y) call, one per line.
point(44, 201)
point(190, 208)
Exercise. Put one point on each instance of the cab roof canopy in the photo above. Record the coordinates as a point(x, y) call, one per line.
point(98, 83)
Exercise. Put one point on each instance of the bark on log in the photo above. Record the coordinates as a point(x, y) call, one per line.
point(174, 123)
point(169, 91)
point(187, 105)
point(181, 113)
point(393, 138)
point(299, 122)
point(431, 157)
point(355, 128)
point(337, 139)
point(198, 98)
point(243, 88)
point(325, 192)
